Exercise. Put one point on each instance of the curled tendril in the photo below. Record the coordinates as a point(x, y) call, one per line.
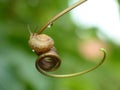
point(74, 74)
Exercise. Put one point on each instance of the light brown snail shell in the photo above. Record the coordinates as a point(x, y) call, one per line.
point(48, 61)
point(40, 43)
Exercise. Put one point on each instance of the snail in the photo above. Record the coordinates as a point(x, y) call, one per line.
point(43, 45)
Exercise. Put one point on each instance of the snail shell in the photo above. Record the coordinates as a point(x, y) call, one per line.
point(40, 43)
point(48, 61)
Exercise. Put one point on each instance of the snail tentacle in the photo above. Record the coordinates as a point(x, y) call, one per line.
point(74, 74)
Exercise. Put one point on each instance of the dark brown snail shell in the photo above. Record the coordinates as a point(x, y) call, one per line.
point(48, 61)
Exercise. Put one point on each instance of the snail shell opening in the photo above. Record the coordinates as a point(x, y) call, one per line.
point(49, 61)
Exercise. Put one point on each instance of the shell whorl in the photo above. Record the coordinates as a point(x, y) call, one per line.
point(40, 43)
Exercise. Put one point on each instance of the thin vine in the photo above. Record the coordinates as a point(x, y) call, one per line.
point(60, 14)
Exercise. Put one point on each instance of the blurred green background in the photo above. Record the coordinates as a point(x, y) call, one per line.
point(78, 50)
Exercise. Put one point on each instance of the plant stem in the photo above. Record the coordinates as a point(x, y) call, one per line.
point(74, 74)
point(60, 14)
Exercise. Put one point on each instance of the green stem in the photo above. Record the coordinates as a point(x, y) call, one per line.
point(60, 14)
point(74, 74)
